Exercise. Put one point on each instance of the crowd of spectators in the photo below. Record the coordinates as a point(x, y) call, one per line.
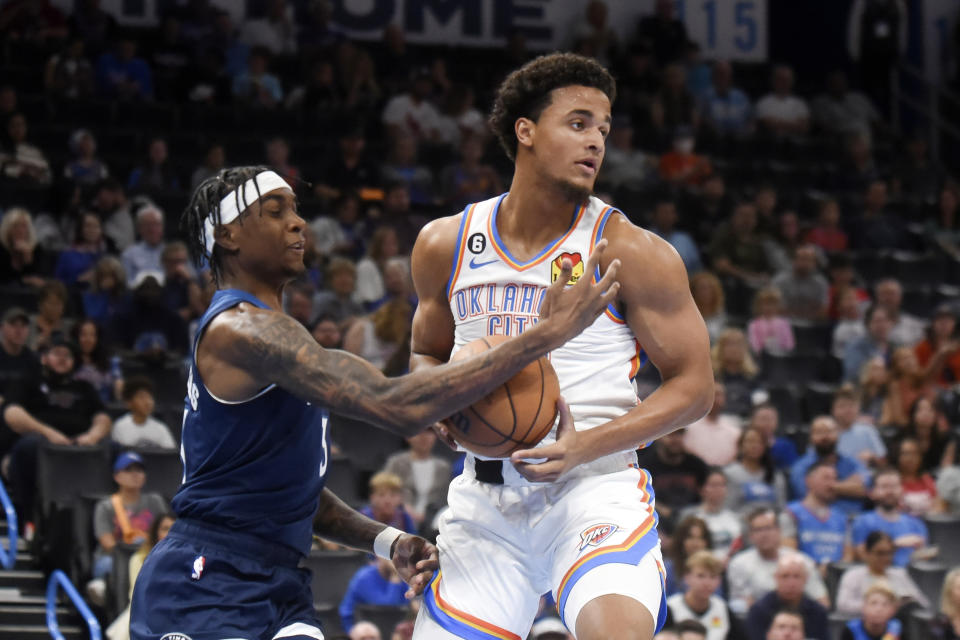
point(821, 248)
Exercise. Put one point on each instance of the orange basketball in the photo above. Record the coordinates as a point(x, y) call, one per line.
point(515, 415)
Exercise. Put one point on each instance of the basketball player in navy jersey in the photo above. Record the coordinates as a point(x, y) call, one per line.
point(255, 445)
point(575, 515)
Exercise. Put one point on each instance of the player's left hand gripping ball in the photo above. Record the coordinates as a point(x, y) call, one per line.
point(556, 458)
point(415, 560)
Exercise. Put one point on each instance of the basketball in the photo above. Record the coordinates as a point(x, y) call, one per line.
point(516, 415)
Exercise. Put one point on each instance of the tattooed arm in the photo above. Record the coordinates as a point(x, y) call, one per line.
point(247, 348)
point(414, 558)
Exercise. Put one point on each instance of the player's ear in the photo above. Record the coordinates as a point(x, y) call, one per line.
point(525, 128)
point(224, 235)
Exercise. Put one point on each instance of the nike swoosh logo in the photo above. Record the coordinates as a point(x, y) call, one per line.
point(476, 265)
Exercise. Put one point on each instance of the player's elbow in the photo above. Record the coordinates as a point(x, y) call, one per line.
point(702, 396)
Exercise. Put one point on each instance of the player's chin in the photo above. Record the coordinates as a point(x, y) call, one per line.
point(577, 188)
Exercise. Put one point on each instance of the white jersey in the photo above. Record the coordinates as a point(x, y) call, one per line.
point(492, 293)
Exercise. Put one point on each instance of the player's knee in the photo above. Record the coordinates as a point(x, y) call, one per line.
point(614, 617)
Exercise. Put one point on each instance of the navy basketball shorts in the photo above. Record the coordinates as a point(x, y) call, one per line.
point(209, 583)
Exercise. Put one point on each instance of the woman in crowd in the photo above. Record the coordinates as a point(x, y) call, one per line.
point(878, 568)
point(75, 265)
point(910, 381)
point(119, 629)
point(753, 481)
point(383, 337)
point(383, 245)
point(93, 361)
point(928, 427)
point(919, 489)
point(939, 352)
point(691, 535)
point(878, 400)
point(108, 291)
point(735, 368)
point(947, 624)
point(708, 296)
point(23, 262)
point(50, 317)
point(20, 160)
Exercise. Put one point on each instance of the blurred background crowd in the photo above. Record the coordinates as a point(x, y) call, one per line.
point(820, 230)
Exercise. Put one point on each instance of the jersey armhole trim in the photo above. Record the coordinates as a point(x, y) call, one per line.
point(461, 245)
point(610, 311)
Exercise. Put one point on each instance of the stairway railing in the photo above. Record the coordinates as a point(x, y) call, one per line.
point(8, 556)
point(59, 579)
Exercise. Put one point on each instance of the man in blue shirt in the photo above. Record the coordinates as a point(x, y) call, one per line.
point(909, 534)
point(664, 221)
point(819, 529)
point(726, 109)
point(858, 439)
point(376, 583)
point(875, 343)
point(852, 477)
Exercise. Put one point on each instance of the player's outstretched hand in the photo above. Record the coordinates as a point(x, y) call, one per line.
point(415, 560)
point(571, 309)
point(557, 458)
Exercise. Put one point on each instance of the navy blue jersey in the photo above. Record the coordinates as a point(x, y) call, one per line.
point(255, 466)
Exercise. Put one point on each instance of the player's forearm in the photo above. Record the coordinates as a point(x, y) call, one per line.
point(337, 522)
point(676, 403)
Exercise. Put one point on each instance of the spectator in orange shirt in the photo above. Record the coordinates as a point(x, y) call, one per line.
point(939, 353)
point(682, 165)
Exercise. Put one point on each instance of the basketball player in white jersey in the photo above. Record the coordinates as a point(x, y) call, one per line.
point(575, 515)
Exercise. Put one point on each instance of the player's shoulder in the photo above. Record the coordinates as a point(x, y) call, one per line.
point(227, 329)
point(621, 233)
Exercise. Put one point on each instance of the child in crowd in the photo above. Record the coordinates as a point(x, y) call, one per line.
point(770, 330)
point(386, 502)
point(877, 620)
point(702, 576)
point(138, 428)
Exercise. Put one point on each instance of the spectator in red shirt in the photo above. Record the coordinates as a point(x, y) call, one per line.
point(939, 353)
point(827, 234)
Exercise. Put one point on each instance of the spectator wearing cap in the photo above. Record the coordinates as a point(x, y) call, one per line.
point(145, 255)
point(123, 518)
point(54, 407)
point(146, 325)
point(84, 168)
point(549, 628)
point(939, 352)
point(138, 428)
point(17, 361)
point(411, 112)
point(791, 578)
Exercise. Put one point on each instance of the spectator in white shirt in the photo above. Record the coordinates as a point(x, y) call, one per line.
point(907, 330)
point(725, 526)
point(780, 112)
point(412, 113)
point(138, 428)
point(146, 254)
point(276, 32)
point(714, 437)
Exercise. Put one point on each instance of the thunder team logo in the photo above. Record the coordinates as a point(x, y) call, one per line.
point(595, 535)
point(557, 265)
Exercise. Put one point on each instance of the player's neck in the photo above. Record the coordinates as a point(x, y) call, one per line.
point(535, 211)
point(269, 293)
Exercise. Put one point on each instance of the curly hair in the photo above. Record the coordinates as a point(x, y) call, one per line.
point(525, 93)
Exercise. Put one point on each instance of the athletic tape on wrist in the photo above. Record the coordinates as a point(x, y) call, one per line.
point(235, 202)
point(384, 542)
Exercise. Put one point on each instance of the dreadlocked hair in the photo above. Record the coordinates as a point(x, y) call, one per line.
point(525, 93)
point(204, 204)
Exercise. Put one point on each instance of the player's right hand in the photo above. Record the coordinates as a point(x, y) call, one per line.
point(568, 310)
point(415, 560)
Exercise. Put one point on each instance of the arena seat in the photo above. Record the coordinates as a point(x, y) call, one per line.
point(944, 532)
point(837, 623)
point(929, 577)
point(366, 445)
point(817, 399)
point(66, 472)
point(913, 269)
point(332, 571)
point(344, 481)
point(119, 583)
point(790, 369)
point(832, 579)
point(918, 624)
point(812, 336)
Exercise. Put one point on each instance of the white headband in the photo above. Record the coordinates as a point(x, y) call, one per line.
point(246, 194)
